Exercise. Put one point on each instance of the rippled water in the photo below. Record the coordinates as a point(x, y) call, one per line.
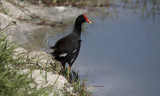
point(121, 49)
point(122, 53)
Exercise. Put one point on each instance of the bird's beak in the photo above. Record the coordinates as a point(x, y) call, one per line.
point(89, 21)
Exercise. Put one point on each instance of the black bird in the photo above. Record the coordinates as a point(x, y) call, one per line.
point(67, 48)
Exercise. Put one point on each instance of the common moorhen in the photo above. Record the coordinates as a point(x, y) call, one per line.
point(67, 48)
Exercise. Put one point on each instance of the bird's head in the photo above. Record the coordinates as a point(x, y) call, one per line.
point(83, 18)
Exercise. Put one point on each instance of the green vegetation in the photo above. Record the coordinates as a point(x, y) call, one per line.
point(12, 82)
point(80, 87)
point(77, 3)
point(2, 9)
point(79, 84)
point(57, 1)
point(61, 1)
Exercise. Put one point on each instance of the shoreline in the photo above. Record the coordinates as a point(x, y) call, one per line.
point(22, 22)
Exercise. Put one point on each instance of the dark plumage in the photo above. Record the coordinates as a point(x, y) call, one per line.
point(67, 48)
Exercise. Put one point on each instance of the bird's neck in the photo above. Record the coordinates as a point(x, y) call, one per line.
point(77, 28)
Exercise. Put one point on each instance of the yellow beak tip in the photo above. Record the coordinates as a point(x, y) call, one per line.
point(90, 22)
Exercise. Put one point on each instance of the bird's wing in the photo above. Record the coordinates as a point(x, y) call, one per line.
point(65, 45)
point(75, 52)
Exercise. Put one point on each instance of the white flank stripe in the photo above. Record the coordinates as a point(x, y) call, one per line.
point(72, 60)
point(63, 55)
point(74, 51)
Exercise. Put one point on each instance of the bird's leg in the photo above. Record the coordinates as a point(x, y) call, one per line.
point(69, 71)
point(64, 69)
point(63, 64)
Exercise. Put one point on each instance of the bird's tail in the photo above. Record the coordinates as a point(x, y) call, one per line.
point(52, 53)
point(53, 47)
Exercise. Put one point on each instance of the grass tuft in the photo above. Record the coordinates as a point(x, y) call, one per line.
point(78, 83)
point(13, 82)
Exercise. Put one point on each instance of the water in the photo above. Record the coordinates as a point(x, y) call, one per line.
point(121, 49)
point(122, 53)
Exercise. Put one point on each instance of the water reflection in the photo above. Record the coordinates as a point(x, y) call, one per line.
point(148, 7)
point(144, 8)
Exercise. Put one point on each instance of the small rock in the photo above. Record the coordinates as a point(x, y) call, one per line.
point(57, 81)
